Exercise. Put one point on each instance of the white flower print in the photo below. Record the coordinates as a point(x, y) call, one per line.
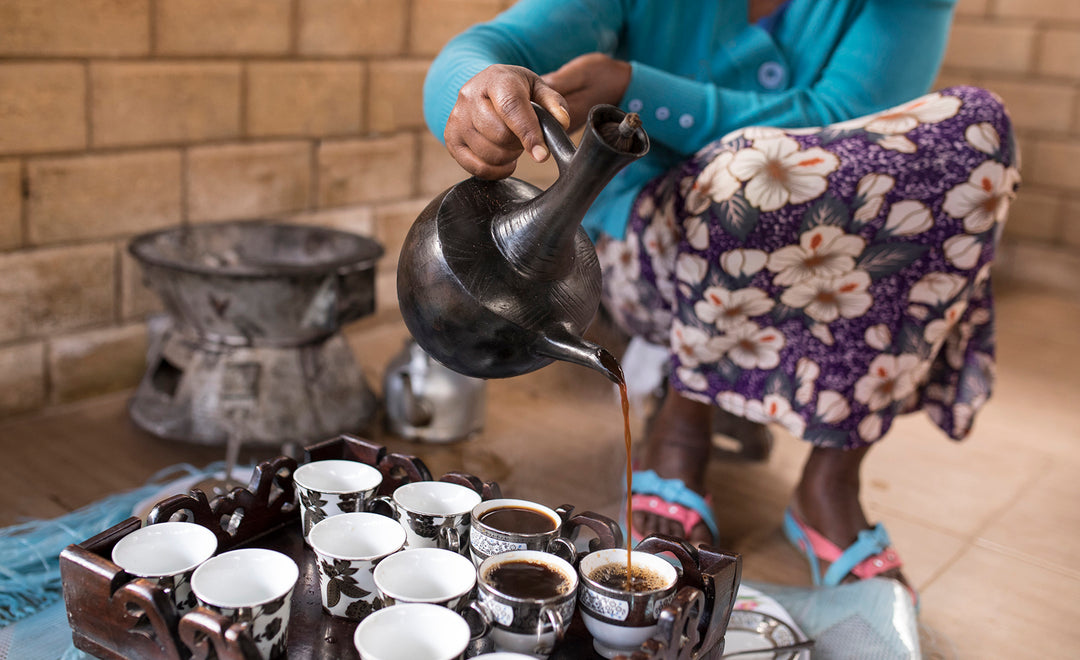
point(733, 402)
point(980, 316)
point(743, 263)
point(878, 336)
point(775, 408)
point(646, 206)
point(778, 173)
point(897, 143)
point(871, 190)
point(751, 347)
point(908, 218)
point(692, 345)
point(727, 309)
point(822, 332)
point(889, 378)
point(697, 232)
point(659, 242)
point(694, 380)
point(983, 199)
point(691, 268)
point(963, 251)
point(984, 137)
point(755, 133)
point(825, 300)
point(870, 427)
point(806, 374)
point(823, 252)
point(714, 184)
point(937, 329)
point(936, 288)
point(832, 407)
point(625, 254)
point(928, 109)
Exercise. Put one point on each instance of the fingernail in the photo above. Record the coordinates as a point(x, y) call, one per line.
point(539, 153)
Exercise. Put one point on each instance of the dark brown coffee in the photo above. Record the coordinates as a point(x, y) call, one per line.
point(527, 579)
point(518, 520)
point(613, 576)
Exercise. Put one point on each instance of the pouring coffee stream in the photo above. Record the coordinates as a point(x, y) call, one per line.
point(498, 278)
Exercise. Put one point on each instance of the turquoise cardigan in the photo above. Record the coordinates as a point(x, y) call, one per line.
point(700, 70)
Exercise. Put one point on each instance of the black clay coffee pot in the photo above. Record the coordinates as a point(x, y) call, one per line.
point(497, 278)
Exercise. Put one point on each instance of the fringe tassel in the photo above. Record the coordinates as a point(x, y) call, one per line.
point(30, 551)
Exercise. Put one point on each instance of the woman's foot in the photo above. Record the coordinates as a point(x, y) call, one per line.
point(677, 447)
point(827, 500)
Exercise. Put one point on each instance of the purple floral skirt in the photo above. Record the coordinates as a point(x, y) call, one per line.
point(828, 279)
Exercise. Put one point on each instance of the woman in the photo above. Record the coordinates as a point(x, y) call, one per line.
point(825, 279)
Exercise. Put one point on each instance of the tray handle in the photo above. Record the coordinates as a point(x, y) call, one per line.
point(488, 490)
point(211, 635)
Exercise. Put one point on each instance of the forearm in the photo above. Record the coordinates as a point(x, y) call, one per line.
point(540, 35)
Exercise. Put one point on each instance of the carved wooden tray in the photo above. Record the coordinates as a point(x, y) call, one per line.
point(118, 616)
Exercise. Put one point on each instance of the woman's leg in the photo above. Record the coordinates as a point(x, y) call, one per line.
point(827, 497)
point(677, 447)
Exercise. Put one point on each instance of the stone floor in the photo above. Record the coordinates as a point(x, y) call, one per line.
point(988, 527)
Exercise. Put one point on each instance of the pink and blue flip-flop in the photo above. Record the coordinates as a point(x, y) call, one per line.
point(671, 499)
point(869, 556)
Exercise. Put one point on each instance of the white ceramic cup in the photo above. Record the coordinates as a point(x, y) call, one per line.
point(167, 553)
point(253, 585)
point(434, 514)
point(328, 488)
point(425, 575)
point(412, 631)
point(619, 620)
point(348, 547)
point(526, 623)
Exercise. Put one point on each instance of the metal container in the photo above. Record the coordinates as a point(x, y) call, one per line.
point(428, 402)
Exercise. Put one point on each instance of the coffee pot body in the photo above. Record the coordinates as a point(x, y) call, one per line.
point(498, 278)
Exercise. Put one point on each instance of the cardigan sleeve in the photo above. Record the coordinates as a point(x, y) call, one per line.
point(540, 35)
point(890, 54)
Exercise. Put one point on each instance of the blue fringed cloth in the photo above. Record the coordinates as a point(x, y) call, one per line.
point(30, 551)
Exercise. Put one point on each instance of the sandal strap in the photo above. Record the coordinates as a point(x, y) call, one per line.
point(871, 554)
point(675, 491)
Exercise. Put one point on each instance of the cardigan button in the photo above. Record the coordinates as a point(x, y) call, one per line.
point(635, 105)
point(662, 113)
point(771, 75)
point(686, 121)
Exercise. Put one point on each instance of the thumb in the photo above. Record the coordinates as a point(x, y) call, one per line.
point(552, 101)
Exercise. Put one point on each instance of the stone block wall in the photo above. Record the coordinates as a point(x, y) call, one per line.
point(124, 116)
point(119, 117)
point(1028, 51)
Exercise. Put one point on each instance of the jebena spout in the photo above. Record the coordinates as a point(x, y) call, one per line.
point(562, 345)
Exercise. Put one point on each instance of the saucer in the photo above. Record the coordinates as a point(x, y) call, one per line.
point(749, 630)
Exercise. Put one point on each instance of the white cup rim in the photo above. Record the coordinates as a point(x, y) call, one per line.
point(200, 541)
point(487, 505)
point(308, 476)
point(281, 567)
point(464, 499)
point(352, 523)
point(455, 625)
point(558, 563)
point(425, 558)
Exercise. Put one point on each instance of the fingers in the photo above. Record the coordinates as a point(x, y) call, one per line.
point(493, 120)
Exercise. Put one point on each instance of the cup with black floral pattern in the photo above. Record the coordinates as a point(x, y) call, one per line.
point(327, 488)
point(434, 514)
point(348, 547)
point(253, 586)
point(426, 575)
point(167, 553)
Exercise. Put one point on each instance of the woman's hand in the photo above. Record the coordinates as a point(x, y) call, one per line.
point(493, 121)
point(589, 80)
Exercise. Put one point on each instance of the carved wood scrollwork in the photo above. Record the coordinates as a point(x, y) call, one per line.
point(210, 635)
